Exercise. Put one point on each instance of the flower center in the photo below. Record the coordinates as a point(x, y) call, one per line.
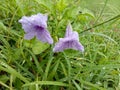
point(38, 27)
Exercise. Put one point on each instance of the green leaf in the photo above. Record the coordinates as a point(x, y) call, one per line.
point(82, 18)
point(61, 4)
point(2, 26)
point(88, 13)
point(104, 36)
point(29, 43)
point(77, 85)
point(4, 78)
point(54, 70)
point(46, 83)
point(8, 69)
point(71, 12)
point(3, 84)
point(38, 47)
point(45, 3)
point(85, 15)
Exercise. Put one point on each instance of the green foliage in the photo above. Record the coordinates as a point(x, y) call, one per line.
point(37, 46)
point(32, 65)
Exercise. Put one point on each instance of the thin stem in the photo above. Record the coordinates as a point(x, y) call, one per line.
point(116, 17)
point(11, 80)
point(36, 85)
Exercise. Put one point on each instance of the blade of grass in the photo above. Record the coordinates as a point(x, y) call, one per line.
point(8, 69)
point(25, 70)
point(3, 84)
point(103, 35)
point(36, 61)
point(91, 67)
point(101, 11)
point(69, 69)
point(92, 85)
point(46, 83)
point(77, 86)
point(48, 64)
point(64, 69)
point(52, 74)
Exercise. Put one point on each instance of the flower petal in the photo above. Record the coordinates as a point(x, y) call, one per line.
point(65, 43)
point(68, 31)
point(75, 35)
point(26, 24)
point(60, 46)
point(77, 46)
point(71, 34)
point(40, 19)
point(29, 35)
point(70, 41)
point(36, 25)
point(44, 36)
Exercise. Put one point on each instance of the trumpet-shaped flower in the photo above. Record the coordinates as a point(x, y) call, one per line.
point(70, 41)
point(36, 25)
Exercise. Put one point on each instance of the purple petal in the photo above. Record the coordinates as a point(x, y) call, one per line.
point(36, 25)
point(39, 19)
point(60, 46)
point(77, 46)
point(70, 41)
point(74, 35)
point(43, 16)
point(66, 43)
point(24, 20)
point(44, 36)
point(29, 35)
point(68, 31)
point(26, 24)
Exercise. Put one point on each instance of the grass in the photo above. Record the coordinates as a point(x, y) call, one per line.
point(23, 67)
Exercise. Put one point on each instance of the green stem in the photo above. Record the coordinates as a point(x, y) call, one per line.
point(116, 17)
point(11, 80)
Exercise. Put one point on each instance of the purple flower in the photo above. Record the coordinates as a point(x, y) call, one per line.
point(36, 25)
point(70, 41)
